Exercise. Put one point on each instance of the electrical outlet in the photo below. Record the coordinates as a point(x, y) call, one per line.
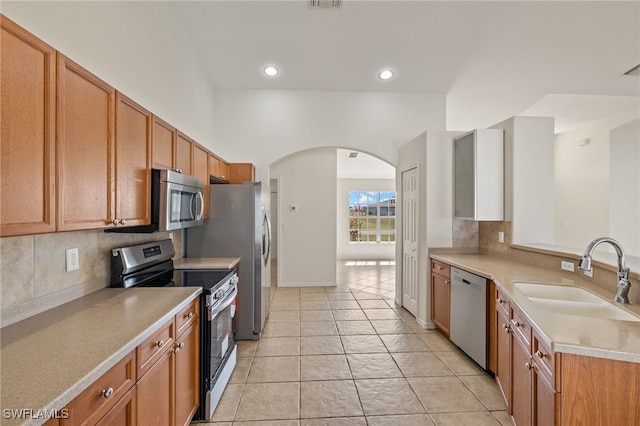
point(501, 237)
point(73, 259)
point(567, 266)
point(589, 273)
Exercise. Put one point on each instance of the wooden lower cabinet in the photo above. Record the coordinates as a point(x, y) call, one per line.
point(186, 373)
point(545, 399)
point(123, 413)
point(521, 382)
point(503, 356)
point(155, 393)
point(441, 295)
point(597, 391)
point(156, 384)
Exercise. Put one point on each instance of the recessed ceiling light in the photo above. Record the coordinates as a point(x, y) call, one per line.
point(271, 71)
point(385, 75)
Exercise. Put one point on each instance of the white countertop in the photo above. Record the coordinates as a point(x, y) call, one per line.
point(597, 337)
point(206, 262)
point(50, 358)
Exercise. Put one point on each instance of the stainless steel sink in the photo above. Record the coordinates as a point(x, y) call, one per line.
point(572, 301)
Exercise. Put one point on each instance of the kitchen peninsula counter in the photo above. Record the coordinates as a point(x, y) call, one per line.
point(50, 358)
point(580, 335)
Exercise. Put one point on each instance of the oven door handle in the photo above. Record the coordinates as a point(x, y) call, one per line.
point(228, 300)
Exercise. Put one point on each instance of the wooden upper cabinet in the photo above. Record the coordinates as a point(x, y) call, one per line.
point(201, 171)
point(28, 69)
point(218, 168)
point(184, 148)
point(242, 172)
point(132, 164)
point(164, 142)
point(85, 126)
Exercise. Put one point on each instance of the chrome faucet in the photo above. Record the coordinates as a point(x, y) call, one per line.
point(623, 272)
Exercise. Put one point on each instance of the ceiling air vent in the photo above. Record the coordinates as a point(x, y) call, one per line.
point(325, 4)
point(353, 154)
point(633, 71)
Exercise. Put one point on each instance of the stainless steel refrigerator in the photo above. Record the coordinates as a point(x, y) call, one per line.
point(239, 226)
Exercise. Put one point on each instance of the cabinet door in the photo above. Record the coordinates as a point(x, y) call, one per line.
point(155, 393)
point(544, 403)
point(132, 162)
point(184, 147)
point(522, 383)
point(28, 72)
point(201, 171)
point(187, 375)
point(440, 302)
point(85, 127)
point(503, 356)
point(242, 172)
point(123, 413)
point(164, 142)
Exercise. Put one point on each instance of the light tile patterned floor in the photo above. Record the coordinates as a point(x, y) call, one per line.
point(347, 355)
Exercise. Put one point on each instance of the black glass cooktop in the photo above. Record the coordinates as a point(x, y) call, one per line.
point(205, 278)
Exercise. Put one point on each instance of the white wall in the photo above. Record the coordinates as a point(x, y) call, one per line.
point(431, 153)
point(600, 177)
point(624, 216)
point(262, 126)
point(126, 45)
point(346, 249)
point(529, 175)
point(581, 193)
point(307, 237)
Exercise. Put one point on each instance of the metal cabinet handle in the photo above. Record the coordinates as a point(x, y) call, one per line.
point(506, 328)
point(439, 268)
point(120, 221)
point(189, 315)
point(106, 393)
point(501, 301)
point(528, 366)
point(159, 344)
point(446, 281)
point(178, 347)
point(516, 323)
point(540, 354)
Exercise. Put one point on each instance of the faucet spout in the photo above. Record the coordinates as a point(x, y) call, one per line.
point(623, 272)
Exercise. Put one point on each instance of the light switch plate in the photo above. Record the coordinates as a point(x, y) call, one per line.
point(73, 259)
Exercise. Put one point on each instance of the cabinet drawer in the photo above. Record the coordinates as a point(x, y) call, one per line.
point(502, 302)
point(187, 316)
point(103, 394)
point(521, 328)
point(440, 268)
point(545, 359)
point(153, 348)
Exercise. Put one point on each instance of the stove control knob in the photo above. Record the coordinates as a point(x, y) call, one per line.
point(220, 294)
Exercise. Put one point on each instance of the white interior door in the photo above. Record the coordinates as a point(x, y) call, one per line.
point(410, 240)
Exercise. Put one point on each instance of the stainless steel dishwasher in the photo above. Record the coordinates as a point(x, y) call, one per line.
point(469, 314)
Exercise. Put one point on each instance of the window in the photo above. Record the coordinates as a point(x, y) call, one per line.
point(372, 217)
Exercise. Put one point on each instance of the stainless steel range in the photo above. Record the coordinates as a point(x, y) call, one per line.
point(151, 265)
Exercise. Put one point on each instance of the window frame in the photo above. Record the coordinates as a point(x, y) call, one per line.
point(382, 236)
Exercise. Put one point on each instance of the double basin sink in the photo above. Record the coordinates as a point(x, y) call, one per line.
point(567, 300)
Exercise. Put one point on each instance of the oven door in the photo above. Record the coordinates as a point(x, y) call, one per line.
point(219, 353)
point(181, 206)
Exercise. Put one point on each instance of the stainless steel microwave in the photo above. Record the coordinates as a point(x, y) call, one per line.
point(177, 202)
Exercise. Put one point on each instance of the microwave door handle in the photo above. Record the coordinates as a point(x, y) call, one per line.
point(201, 210)
point(215, 310)
point(193, 196)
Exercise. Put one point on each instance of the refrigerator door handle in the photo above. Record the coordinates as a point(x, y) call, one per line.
point(266, 251)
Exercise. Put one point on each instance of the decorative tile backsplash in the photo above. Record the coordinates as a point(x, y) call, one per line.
point(33, 270)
